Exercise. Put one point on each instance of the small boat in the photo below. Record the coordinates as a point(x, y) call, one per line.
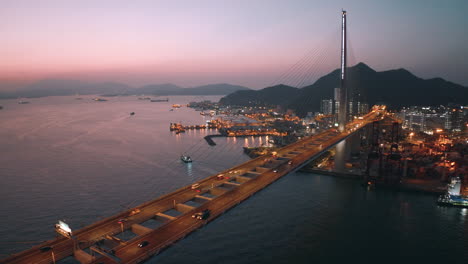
point(99, 100)
point(185, 158)
point(171, 109)
point(23, 102)
point(132, 113)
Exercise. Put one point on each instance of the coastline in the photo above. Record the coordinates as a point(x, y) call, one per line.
point(407, 185)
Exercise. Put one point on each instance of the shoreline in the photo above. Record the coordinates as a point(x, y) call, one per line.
point(407, 185)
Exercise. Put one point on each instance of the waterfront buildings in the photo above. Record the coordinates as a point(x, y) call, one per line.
point(427, 119)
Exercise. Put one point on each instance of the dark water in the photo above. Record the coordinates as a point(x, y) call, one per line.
point(81, 160)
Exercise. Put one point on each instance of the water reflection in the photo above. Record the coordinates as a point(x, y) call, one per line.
point(190, 171)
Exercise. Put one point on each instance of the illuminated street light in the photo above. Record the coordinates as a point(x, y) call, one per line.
point(51, 249)
point(121, 225)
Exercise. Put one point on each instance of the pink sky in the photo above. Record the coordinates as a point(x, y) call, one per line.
point(241, 42)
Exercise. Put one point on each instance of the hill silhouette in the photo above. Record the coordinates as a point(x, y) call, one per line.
point(53, 87)
point(395, 88)
point(275, 95)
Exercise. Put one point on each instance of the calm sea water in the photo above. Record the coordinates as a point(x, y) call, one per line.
point(81, 160)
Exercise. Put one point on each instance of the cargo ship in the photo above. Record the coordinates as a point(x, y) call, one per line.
point(160, 100)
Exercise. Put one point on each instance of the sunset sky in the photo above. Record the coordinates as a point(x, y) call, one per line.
point(249, 43)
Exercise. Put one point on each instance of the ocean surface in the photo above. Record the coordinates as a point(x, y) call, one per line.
point(83, 160)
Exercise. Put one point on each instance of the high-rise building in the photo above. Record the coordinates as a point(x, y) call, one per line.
point(363, 108)
point(337, 107)
point(327, 107)
point(455, 117)
point(336, 94)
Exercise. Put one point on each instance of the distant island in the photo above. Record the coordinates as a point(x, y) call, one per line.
point(53, 87)
point(395, 88)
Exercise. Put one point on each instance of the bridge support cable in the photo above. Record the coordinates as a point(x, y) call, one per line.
point(313, 72)
point(298, 70)
point(351, 55)
point(288, 74)
point(301, 71)
point(316, 68)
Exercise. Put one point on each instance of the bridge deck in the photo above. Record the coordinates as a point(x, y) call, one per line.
point(214, 194)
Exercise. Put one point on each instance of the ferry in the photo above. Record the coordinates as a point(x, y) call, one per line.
point(185, 158)
point(453, 196)
point(451, 200)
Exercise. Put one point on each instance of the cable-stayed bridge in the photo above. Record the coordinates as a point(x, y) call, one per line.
point(195, 205)
point(215, 193)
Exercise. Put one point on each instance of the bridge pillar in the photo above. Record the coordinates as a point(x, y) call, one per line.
point(344, 149)
point(82, 256)
point(140, 230)
point(340, 156)
point(354, 143)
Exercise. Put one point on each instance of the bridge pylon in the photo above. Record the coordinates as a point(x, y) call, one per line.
point(343, 107)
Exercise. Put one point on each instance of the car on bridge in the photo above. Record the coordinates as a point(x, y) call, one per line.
point(45, 249)
point(134, 212)
point(143, 244)
point(202, 215)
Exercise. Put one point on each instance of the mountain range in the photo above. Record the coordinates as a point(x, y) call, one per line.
point(53, 87)
point(395, 88)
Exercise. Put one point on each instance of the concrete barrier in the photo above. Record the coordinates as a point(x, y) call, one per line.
point(82, 256)
point(140, 230)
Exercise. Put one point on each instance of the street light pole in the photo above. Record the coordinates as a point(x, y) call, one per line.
point(53, 256)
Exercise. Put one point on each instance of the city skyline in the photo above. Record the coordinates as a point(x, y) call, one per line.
point(241, 42)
